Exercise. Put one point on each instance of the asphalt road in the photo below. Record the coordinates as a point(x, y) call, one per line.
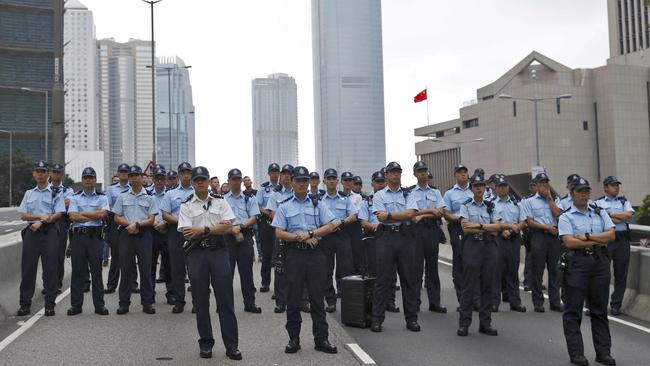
point(10, 220)
point(524, 339)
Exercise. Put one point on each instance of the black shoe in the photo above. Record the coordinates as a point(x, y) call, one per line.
point(579, 360)
point(293, 346)
point(160, 280)
point(526, 288)
point(615, 311)
point(122, 310)
point(495, 308)
point(338, 295)
point(392, 308)
point(543, 287)
point(518, 308)
point(205, 353)
point(458, 309)
point(462, 331)
point(109, 290)
point(487, 330)
point(135, 290)
point(606, 360)
point(376, 327)
point(587, 312)
point(234, 354)
point(280, 309)
point(43, 292)
point(539, 309)
point(24, 310)
point(74, 311)
point(305, 307)
point(193, 310)
point(187, 280)
point(264, 289)
point(557, 307)
point(504, 298)
point(413, 326)
point(325, 346)
point(476, 308)
point(148, 309)
point(253, 309)
point(330, 308)
point(438, 309)
point(49, 312)
point(101, 310)
point(87, 287)
point(178, 308)
point(105, 264)
point(273, 297)
point(398, 288)
point(170, 300)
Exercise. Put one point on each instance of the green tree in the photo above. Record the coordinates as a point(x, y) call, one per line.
point(643, 212)
point(22, 177)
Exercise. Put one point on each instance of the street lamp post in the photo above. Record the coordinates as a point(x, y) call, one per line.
point(535, 102)
point(457, 143)
point(46, 116)
point(11, 168)
point(153, 78)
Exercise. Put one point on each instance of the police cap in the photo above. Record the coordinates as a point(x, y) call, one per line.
point(273, 167)
point(287, 168)
point(172, 174)
point(393, 166)
point(378, 176)
point(135, 170)
point(300, 172)
point(234, 173)
point(611, 180)
point(124, 167)
point(88, 172)
point(476, 179)
point(347, 176)
point(357, 180)
point(330, 173)
point(57, 168)
point(314, 175)
point(419, 165)
point(581, 184)
point(41, 165)
point(200, 172)
point(184, 166)
point(459, 167)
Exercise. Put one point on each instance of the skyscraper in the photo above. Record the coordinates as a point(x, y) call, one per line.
point(629, 31)
point(175, 125)
point(275, 123)
point(124, 102)
point(348, 85)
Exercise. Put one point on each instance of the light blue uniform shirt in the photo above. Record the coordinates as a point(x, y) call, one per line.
point(62, 193)
point(539, 210)
point(575, 222)
point(365, 213)
point(277, 197)
point(613, 206)
point(478, 213)
point(264, 193)
point(40, 202)
point(455, 197)
point(171, 203)
point(243, 207)
point(387, 200)
point(115, 191)
point(341, 207)
point(83, 202)
point(507, 209)
point(427, 197)
point(158, 197)
point(295, 216)
point(135, 207)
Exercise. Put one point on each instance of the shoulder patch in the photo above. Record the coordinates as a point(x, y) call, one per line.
point(189, 198)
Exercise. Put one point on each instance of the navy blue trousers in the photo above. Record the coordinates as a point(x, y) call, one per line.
point(338, 251)
point(545, 252)
point(619, 252)
point(86, 254)
point(131, 246)
point(242, 255)
point(427, 241)
point(43, 244)
point(177, 263)
point(507, 271)
point(479, 262)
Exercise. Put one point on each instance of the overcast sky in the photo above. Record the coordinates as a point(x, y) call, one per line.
point(453, 47)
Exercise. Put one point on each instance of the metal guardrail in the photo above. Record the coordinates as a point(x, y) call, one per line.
point(640, 236)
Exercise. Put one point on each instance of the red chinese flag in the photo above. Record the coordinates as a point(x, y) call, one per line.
point(420, 97)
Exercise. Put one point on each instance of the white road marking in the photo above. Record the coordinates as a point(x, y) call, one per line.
point(29, 323)
point(360, 354)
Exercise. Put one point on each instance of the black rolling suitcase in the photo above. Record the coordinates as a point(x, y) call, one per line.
point(356, 300)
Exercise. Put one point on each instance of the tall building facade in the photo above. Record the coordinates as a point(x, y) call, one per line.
point(125, 121)
point(175, 119)
point(629, 31)
point(80, 65)
point(348, 85)
point(31, 75)
point(275, 123)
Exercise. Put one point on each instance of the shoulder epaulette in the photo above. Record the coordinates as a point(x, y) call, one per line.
point(564, 197)
point(247, 194)
point(600, 198)
point(114, 184)
point(623, 199)
point(432, 186)
point(212, 194)
point(554, 195)
point(285, 200)
point(254, 192)
point(467, 201)
point(266, 184)
point(566, 210)
point(126, 190)
point(189, 198)
point(99, 193)
point(150, 193)
point(529, 196)
point(492, 199)
point(343, 194)
point(322, 192)
point(278, 188)
point(411, 187)
point(78, 192)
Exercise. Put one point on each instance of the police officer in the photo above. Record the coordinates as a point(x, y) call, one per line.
point(281, 192)
point(620, 211)
point(240, 242)
point(357, 185)
point(454, 198)
point(479, 221)
point(215, 186)
point(252, 192)
point(354, 229)
point(567, 200)
point(586, 231)
point(267, 234)
point(41, 210)
point(172, 180)
point(431, 207)
point(62, 193)
point(541, 212)
point(112, 235)
point(394, 208)
point(525, 238)
point(204, 218)
point(87, 210)
point(508, 247)
point(370, 223)
point(314, 183)
point(135, 211)
point(301, 221)
point(159, 234)
point(170, 208)
point(338, 244)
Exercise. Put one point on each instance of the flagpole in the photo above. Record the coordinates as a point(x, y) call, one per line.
point(427, 92)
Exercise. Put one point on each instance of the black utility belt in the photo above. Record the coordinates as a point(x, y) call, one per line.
point(596, 251)
point(92, 230)
point(428, 222)
point(299, 245)
point(265, 218)
point(477, 236)
point(211, 242)
point(541, 231)
point(44, 227)
point(402, 228)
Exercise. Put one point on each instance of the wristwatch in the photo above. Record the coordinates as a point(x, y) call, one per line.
point(389, 217)
point(206, 230)
point(480, 227)
point(311, 233)
point(587, 236)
